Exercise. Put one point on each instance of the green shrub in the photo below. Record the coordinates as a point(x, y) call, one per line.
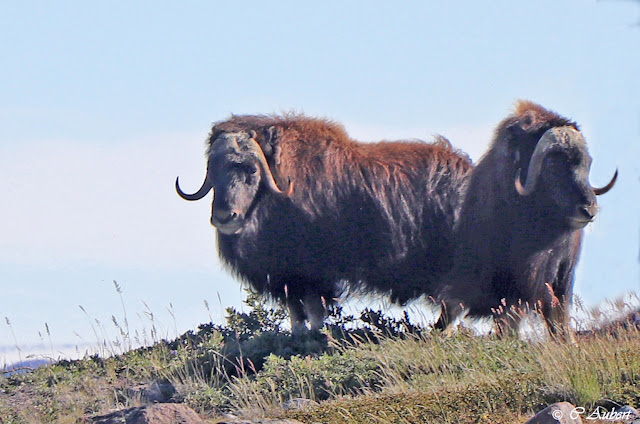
point(366, 369)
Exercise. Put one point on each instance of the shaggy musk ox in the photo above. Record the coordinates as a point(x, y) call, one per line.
point(302, 210)
point(520, 225)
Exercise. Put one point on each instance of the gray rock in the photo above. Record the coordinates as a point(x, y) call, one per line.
point(298, 403)
point(154, 392)
point(159, 392)
point(160, 413)
point(624, 414)
point(631, 410)
point(260, 421)
point(558, 413)
point(631, 414)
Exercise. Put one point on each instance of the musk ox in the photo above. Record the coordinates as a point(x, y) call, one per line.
point(302, 210)
point(520, 227)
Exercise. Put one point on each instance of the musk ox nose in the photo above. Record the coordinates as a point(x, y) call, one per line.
point(222, 217)
point(583, 215)
point(588, 212)
point(227, 221)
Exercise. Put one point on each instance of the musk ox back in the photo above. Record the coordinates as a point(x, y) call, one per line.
point(302, 209)
point(520, 227)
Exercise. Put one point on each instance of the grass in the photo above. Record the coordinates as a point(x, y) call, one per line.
point(367, 369)
point(466, 378)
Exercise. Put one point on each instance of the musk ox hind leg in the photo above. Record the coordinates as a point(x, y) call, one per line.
point(449, 312)
point(508, 319)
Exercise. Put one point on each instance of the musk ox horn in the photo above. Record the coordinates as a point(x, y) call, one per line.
point(554, 139)
point(267, 175)
point(603, 190)
point(206, 187)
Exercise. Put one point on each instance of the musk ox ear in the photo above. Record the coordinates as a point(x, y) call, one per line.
point(528, 123)
point(269, 143)
point(272, 134)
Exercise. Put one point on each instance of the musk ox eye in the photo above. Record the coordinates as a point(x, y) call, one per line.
point(250, 172)
point(247, 168)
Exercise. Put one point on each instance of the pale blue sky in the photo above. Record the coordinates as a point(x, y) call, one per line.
point(103, 105)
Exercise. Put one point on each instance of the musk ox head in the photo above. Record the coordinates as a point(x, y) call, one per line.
point(237, 170)
point(559, 171)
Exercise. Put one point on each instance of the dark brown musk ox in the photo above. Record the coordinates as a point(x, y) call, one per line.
point(521, 223)
point(303, 211)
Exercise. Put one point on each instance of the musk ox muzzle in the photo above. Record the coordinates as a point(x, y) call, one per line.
point(227, 221)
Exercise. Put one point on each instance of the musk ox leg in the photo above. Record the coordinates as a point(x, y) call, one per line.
point(297, 315)
point(556, 304)
point(557, 317)
point(508, 317)
point(508, 323)
point(309, 309)
point(316, 311)
point(449, 312)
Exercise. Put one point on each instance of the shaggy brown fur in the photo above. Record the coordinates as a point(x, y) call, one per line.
point(376, 216)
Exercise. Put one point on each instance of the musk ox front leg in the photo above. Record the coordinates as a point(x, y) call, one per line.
point(558, 322)
point(556, 300)
point(309, 309)
point(305, 307)
point(556, 313)
point(297, 315)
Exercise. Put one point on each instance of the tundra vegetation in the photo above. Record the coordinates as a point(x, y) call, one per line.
point(369, 368)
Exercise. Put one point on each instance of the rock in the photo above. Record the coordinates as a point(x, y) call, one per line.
point(298, 403)
point(260, 421)
point(155, 392)
point(160, 413)
point(628, 414)
point(558, 413)
point(631, 411)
